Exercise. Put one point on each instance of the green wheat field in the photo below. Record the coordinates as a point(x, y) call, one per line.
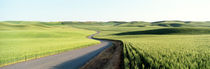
point(147, 45)
point(21, 41)
point(158, 45)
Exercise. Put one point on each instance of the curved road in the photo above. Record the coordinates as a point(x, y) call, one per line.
point(73, 59)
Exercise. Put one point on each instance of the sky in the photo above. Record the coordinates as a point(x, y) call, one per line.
point(104, 10)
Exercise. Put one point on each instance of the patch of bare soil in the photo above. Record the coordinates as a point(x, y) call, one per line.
point(110, 58)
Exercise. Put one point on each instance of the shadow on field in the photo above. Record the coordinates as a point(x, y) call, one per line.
point(168, 31)
point(77, 63)
point(156, 31)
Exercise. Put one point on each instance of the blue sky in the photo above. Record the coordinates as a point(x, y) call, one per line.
point(104, 10)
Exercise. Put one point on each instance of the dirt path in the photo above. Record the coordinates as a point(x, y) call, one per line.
point(110, 58)
point(68, 60)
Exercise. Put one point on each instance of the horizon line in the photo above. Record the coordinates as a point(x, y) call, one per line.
point(101, 21)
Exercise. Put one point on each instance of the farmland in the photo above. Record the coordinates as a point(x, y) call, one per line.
point(147, 45)
point(167, 51)
point(158, 45)
point(23, 40)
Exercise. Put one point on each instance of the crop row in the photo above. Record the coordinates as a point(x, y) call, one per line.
point(178, 53)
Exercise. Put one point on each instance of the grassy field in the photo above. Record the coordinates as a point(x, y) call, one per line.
point(158, 45)
point(21, 41)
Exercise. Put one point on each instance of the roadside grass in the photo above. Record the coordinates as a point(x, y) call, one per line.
point(21, 41)
point(183, 48)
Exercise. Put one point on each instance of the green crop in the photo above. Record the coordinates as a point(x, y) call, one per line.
point(167, 51)
point(21, 41)
point(158, 47)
